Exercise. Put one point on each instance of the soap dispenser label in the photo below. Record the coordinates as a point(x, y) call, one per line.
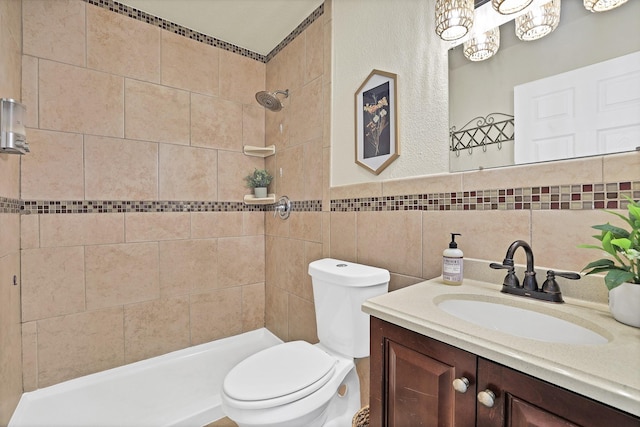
point(452, 269)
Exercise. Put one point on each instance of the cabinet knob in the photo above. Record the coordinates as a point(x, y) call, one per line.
point(461, 384)
point(487, 398)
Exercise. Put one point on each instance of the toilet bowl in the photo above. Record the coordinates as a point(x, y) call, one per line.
point(298, 384)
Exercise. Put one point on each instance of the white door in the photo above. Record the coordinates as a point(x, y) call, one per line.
point(588, 111)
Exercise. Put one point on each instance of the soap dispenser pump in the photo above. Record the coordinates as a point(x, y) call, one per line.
point(452, 263)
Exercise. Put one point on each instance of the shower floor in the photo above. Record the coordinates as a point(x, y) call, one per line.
point(178, 389)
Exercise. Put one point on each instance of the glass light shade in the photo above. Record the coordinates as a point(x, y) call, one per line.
point(539, 21)
point(507, 7)
point(482, 46)
point(602, 5)
point(454, 18)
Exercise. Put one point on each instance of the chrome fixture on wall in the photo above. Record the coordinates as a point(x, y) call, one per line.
point(282, 208)
point(270, 100)
point(13, 138)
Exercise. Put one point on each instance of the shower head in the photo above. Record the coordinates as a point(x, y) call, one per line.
point(270, 100)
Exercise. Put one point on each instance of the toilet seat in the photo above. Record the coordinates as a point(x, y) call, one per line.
point(279, 375)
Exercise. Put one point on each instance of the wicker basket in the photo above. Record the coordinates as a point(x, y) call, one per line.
point(361, 418)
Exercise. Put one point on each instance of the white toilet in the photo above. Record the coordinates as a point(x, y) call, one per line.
point(298, 384)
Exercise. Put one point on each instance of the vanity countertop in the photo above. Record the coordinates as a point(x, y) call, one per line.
point(609, 373)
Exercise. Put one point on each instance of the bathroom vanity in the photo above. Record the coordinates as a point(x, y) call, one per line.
point(430, 367)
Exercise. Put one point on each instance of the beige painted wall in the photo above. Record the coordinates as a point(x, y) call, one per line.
point(10, 345)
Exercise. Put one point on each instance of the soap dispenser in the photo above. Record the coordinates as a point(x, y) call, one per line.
point(452, 263)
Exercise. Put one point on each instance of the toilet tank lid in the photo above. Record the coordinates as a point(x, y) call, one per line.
point(347, 273)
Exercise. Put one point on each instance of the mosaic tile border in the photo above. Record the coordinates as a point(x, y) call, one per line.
point(27, 207)
point(139, 15)
point(556, 197)
point(9, 205)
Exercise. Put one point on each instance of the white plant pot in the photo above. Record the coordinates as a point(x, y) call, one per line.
point(260, 192)
point(624, 304)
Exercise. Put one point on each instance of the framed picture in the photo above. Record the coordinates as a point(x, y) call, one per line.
point(377, 122)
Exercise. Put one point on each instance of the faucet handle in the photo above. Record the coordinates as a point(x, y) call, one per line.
point(510, 280)
point(550, 286)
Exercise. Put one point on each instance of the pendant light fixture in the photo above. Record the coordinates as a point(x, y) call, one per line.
point(454, 18)
point(539, 21)
point(507, 7)
point(602, 5)
point(482, 46)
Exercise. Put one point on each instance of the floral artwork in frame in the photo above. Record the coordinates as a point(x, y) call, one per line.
point(377, 142)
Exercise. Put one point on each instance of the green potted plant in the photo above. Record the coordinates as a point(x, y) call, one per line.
point(259, 180)
point(623, 265)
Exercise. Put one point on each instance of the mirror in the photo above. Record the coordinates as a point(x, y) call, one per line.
point(477, 89)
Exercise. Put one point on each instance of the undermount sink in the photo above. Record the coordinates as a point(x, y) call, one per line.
point(520, 322)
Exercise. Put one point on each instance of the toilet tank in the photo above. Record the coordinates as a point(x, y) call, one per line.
point(339, 289)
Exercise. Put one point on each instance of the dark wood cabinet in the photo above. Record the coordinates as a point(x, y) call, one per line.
point(412, 386)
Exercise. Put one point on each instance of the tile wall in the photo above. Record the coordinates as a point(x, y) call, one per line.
point(10, 343)
point(135, 241)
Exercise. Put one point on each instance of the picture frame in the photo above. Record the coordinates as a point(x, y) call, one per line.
point(377, 142)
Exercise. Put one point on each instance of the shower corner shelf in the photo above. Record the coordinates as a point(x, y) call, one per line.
point(250, 199)
point(251, 150)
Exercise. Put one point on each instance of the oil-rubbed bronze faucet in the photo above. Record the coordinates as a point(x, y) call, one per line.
point(550, 290)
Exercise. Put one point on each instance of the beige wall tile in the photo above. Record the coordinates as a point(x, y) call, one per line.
point(29, 356)
point(55, 30)
point(30, 90)
point(286, 69)
point(240, 77)
point(343, 236)
point(10, 175)
point(29, 231)
point(556, 235)
point(240, 260)
point(368, 189)
point(80, 100)
point(445, 183)
point(391, 240)
point(121, 274)
point(276, 126)
point(252, 223)
point(253, 125)
point(399, 281)
point(312, 252)
point(306, 226)
point(216, 315)
point(290, 266)
point(9, 234)
point(307, 112)
point(156, 113)
point(54, 168)
point(187, 173)
point(314, 39)
point(274, 226)
point(151, 226)
point(233, 168)
point(216, 123)
point(189, 64)
point(216, 224)
point(121, 45)
point(302, 320)
point(156, 327)
point(621, 167)
point(253, 300)
point(10, 336)
point(188, 266)
point(52, 282)
point(291, 182)
point(313, 175)
point(81, 229)
point(120, 169)
point(79, 344)
point(326, 234)
point(485, 235)
point(277, 314)
point(547, 173)
point(11, 50)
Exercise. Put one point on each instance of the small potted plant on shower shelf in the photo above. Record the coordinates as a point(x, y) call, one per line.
point(259, 180)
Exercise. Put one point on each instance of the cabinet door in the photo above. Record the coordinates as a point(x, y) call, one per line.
point(411, 380)
point(521, 400)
